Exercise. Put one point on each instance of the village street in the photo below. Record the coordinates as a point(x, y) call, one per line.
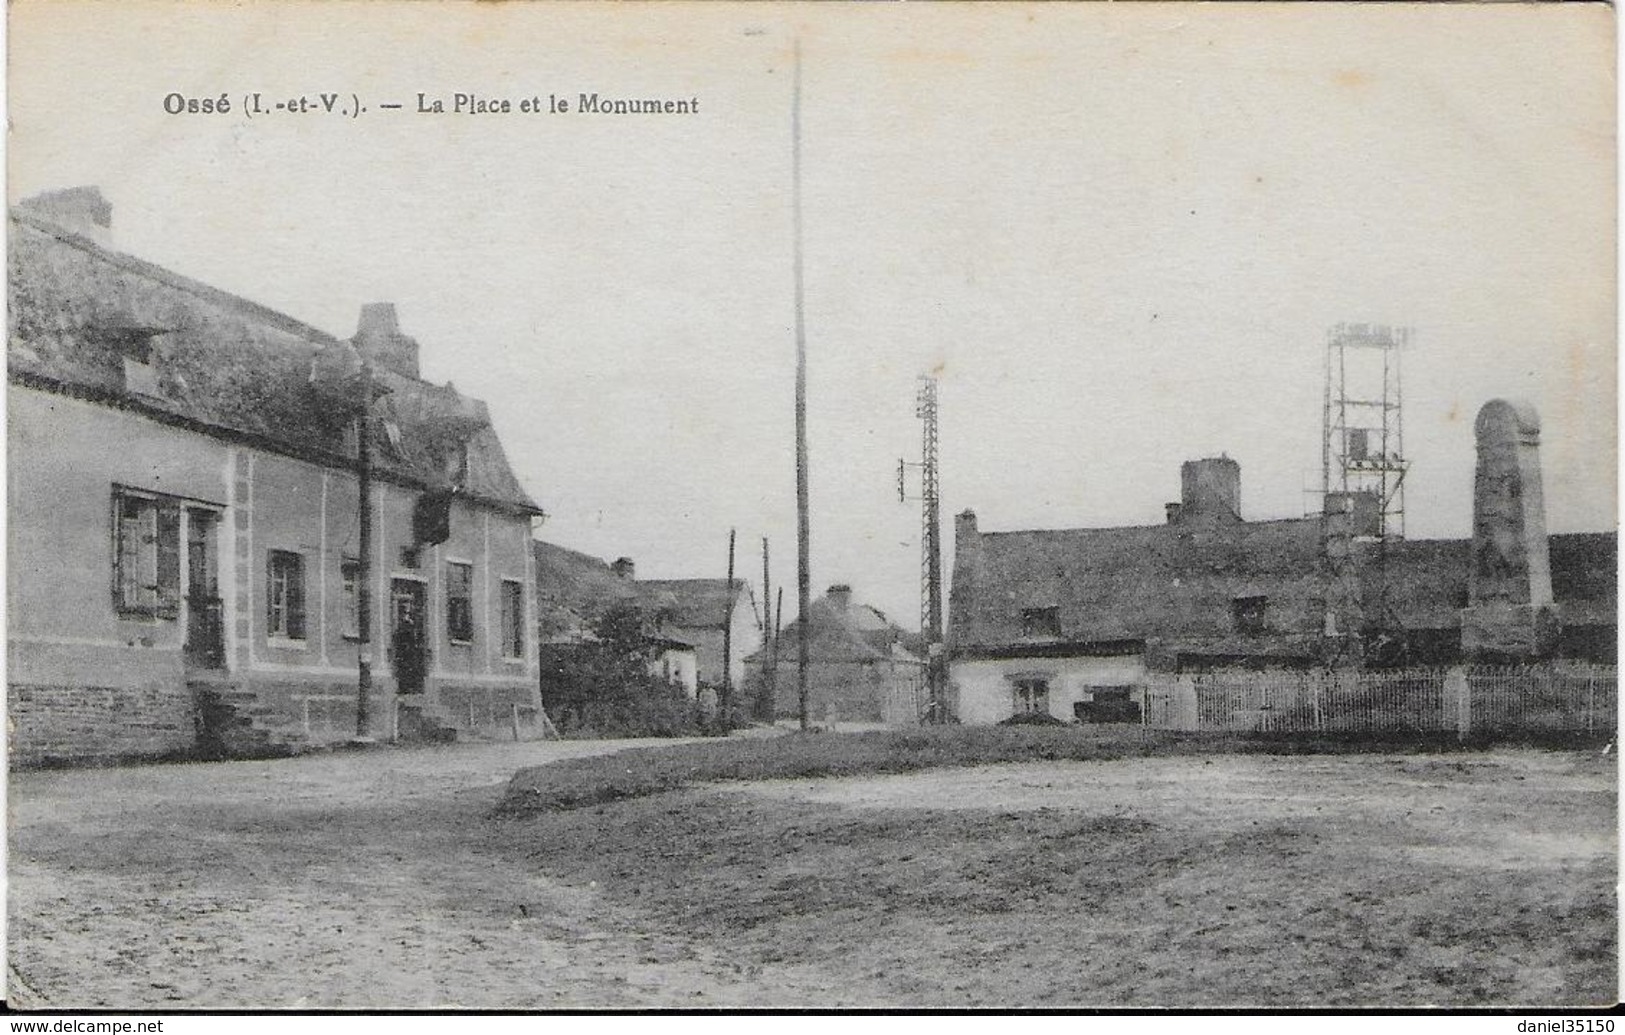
point(354, 879)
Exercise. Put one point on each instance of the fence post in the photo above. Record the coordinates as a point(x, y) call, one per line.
point(1457, 685)
point(1591, 701)
point(1317, 681)
point(513, 719)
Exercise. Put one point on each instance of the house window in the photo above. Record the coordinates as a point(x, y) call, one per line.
point(1030, 696)
point(350, 573)
point(285, 596)
point(1247, 613)
point(513, 619)
point(460, 602)
point(1039, 622)
point(146, 554)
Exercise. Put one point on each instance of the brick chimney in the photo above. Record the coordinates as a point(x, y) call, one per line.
point(379, 338)
point(624, 568)
point(79, 210)
point(839, 596)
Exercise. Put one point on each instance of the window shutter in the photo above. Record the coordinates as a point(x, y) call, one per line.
point(126, 554)
point(168, 580)
point(272, 623)
point(296, 597)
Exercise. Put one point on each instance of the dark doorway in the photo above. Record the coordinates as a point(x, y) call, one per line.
point(408, 641)
point(1110, 704)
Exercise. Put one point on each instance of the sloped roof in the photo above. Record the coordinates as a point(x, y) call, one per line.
point(1585, 576)
point(855, 632)
point(573, 589)
point(698, 603)
point(223, 365)
point(1137, 582)
point(1174, 585)
point(1426, 581)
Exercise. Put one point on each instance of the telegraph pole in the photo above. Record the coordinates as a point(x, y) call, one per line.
point(770, 669)
point(728, 639)
point(363, 597)
point(803, 531)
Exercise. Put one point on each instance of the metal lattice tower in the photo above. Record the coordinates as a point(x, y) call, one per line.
point(930, 515)
point(1363, 431)
point(1363, 468)
point(925, 408)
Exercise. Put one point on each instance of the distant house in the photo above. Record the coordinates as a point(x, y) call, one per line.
point(184, 529)
point(859, 667)
point(1069, 622)
point(699, 612)
point(575, 590)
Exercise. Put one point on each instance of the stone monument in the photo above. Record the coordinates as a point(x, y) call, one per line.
point(1509, 615)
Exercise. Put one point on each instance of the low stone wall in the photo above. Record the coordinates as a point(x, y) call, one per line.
point(91, 724)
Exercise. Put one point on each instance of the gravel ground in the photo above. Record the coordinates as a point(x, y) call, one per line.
point(352, 880)
point(377, 880)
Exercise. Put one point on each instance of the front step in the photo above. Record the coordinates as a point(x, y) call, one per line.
point(233, 723)
point(419, 725)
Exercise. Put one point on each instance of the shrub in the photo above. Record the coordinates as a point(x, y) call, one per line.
point(1032, 719)
point(603, 688)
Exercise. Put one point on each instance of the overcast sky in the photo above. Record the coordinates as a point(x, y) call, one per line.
point(1119, 233)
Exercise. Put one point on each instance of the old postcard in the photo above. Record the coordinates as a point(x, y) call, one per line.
point(792, 506)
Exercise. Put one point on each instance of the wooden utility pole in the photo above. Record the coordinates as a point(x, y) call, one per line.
point(770, 669)
point(803, 532)
point(363, 596)
point(728, 638)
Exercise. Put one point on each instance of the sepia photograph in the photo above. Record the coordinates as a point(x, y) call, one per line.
point(767, 507)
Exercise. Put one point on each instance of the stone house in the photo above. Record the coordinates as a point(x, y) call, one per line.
point(710, 614)
point(184, 520)
point(574, 590)
point(1069, 622)
point(859, 667)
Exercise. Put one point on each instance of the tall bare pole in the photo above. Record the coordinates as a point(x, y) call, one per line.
point(363, 595)
point(770, 669)
point(728, 639)
point(803, 532)
point(767, 594)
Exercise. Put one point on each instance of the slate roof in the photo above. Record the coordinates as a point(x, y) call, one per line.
point(1585, 576)
point(572, 590)
point(1173, 585)
point(223, 365)
point(697, 603)
point(856, 632)
point(1137, 583)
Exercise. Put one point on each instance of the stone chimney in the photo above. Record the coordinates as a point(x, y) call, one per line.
point(1210, 488)
point(839, 596)
point(967, 572)
point(79, 210)
point(624, 568)
point(379, 338)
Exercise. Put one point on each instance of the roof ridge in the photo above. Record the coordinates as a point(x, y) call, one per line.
point(1093, 529)
point(153, 271)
